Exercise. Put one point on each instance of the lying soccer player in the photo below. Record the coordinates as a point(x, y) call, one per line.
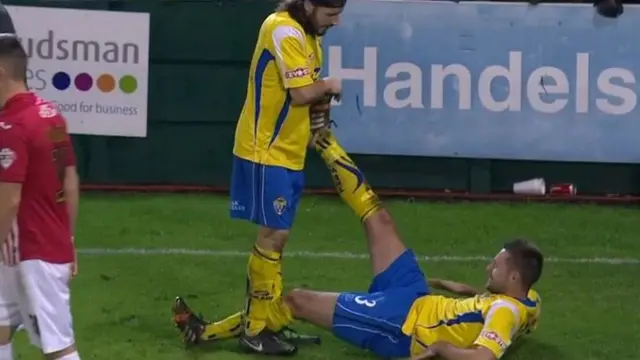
point(398, 316)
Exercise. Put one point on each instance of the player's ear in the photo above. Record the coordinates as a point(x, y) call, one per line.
point(515, 276)
point(4, 73)
point(3, 70)
point(308, 6)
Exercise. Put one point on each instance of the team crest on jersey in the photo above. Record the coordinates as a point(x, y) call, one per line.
point(46, 110)
point(280, 205)
point(7, 157)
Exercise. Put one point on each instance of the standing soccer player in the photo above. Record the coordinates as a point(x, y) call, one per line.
point(38, 206)
point(272, 136)
point(271, 141)
point(10, 318)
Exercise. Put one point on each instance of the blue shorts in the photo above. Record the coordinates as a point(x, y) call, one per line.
point(265, 195)
point(373, 320)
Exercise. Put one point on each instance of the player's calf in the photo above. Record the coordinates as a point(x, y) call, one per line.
point(383, 240)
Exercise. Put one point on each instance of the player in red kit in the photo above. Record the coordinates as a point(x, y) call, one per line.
point(38, 206)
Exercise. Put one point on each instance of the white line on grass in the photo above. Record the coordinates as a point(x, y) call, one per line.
point(338, 255)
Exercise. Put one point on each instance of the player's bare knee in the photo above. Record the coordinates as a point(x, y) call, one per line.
point(299, 300)
point(272, 239)
point(6, 333)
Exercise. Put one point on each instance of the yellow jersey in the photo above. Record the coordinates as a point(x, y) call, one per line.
point(490, 320)
point(270, 130)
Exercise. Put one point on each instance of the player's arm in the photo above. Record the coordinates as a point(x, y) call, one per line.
point(453, 287)
point(297, 77)
point(445, 351)
point(496, 336)
point(71, 184)
point(14, 160)
point(72, 195)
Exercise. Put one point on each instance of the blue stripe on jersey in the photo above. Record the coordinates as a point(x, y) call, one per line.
point(281, 117)
point(466, 318)
point(528, 302)
point(263, 61)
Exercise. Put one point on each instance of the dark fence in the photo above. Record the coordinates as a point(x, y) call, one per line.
point(200, 52)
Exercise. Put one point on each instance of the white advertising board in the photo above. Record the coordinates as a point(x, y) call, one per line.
point(93, 64)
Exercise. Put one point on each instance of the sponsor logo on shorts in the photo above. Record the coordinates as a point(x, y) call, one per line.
point(280, 205)
point(493, 336)
point(7, 157)
point(296, 73)
point(236, 206)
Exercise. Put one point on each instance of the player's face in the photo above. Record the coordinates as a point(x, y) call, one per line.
point(498, 273)
point(324, 18)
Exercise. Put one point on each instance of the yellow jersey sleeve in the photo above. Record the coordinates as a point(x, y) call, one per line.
point(499, 328)
point(290, 44)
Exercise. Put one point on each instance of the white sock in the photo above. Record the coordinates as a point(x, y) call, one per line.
point(6, 352)
point(73, 356)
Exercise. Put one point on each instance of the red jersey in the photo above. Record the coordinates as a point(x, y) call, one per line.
point(35, 149)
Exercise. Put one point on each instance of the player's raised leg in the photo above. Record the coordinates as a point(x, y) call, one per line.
point(370, 320)
point(383, 240)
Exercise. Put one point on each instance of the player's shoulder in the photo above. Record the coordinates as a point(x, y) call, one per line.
point(281, 19)
point(520, 308)
point(44, 114)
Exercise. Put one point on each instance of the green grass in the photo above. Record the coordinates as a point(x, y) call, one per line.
point(122, 302)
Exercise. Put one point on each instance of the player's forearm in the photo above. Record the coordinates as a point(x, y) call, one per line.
point(72, 196)
point(453, 287)
point(309, 94)
point(9, 204)
point(446, 351)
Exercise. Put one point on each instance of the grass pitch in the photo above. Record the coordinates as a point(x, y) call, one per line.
point(139, 251)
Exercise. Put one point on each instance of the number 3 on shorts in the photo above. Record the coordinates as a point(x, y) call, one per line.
point(362, 301)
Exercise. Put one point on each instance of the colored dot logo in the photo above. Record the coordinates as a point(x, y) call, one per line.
point(105, 83)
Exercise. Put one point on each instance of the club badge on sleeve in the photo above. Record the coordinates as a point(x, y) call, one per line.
point(7, 157)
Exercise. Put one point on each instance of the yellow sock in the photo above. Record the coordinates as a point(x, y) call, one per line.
point(348, 179)
point(224, 329)
point(262, 276)
point(280, 315)
point(278, 287)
